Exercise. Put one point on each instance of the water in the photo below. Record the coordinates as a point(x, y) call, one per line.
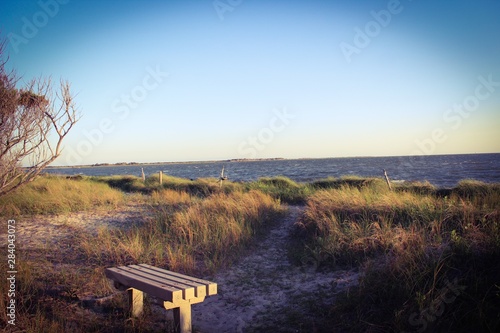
point(441, 170)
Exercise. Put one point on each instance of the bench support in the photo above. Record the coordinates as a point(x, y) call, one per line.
point(135, 302)
point(182, 313)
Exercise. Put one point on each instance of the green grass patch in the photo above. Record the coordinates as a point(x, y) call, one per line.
point(283, 189)
point(56, 195)
point(201, 187)
point(348, 181)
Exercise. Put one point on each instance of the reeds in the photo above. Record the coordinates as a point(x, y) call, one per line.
point(56, 195)
point(283, 189)
point(201, 187)
point(187, 233)
point(430, 258)
point(418, 249)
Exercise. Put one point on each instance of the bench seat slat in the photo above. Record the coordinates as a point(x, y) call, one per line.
point(165, 276)
point(188, 291)
point(151, 287)
point(211, 286)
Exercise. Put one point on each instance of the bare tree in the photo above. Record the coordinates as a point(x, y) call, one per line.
point(28, 116)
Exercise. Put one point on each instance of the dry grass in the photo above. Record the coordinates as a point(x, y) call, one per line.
point(352, 224)
point(188, 233)
point(413, 245)
point(201, 187)
point(283, 189)
point(195, 229)
point(56, 195)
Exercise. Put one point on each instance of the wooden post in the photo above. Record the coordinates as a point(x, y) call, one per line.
point(222, 177)
point(387, 180)
point(182, 318)
point(143, 175)
point(182, 313)
point(135, 302)
point(161, 177)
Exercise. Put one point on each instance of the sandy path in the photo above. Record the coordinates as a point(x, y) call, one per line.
point(55, 233)
point(263, 280)
point(260, 281)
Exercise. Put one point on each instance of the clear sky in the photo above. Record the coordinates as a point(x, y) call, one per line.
point(208, 80)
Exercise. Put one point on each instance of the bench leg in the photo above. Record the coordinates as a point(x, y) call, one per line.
point(182, 313)
point(135, 301)
point(182, 318)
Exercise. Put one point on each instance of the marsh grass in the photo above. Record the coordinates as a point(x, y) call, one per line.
point(124, 183)
point(348, 181)
point(56, 195)
point(411, 244)
point(201, 187)
point(39, 297)
point(291, 192)
point(195, 232)
point(187, 233)
point(431, 262)
point(282, 188)
point(52, 301)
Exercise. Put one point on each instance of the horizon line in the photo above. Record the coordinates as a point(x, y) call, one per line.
point(233, 160)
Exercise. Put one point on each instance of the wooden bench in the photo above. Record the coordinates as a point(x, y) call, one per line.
point(177, 291)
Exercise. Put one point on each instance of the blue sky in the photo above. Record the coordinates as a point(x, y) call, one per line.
point(209, 80)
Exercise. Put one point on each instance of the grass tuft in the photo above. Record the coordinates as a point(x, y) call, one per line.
point(283, 189)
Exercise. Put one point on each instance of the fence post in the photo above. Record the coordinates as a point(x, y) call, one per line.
point(222, 177)
point(387, 180)
point(161, 177)
point(143, 175)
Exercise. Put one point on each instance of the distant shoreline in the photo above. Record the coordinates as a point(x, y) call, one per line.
point(96, 165)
